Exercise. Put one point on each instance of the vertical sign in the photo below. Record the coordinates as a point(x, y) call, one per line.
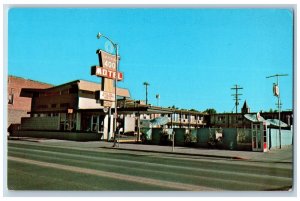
point(275, 90)
point(108, 71)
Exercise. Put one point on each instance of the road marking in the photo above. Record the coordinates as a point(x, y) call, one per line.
point(151, 164)
point(154, 154)
point(250, 183)
point(142, 180)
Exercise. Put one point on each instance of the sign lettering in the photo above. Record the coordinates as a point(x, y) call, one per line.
point(107, 60)
point(107, 73)
point(104, 95)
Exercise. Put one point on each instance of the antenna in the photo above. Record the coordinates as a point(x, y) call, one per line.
point(236, 96)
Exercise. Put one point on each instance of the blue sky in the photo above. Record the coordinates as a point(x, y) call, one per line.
point(191, 57)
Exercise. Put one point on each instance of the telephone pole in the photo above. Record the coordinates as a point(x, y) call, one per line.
point(277, 93)
point(236, 96)
point(146, 85)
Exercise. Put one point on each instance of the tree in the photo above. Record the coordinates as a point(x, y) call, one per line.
point(210, 111)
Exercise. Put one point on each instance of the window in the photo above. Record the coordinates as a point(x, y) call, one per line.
point(64, 105)
point(10, 99)
point(42, 106)
point(53, 105)
point(65, 91)
point(95, 123)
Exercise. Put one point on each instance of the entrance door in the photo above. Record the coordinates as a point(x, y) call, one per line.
point(259, 137)
point(256, 137)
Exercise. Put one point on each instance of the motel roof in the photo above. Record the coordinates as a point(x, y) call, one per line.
point(82, 85)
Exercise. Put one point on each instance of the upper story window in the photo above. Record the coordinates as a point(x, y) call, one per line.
point(42, 106)
point(64, 105)
point(65, 91)
point(221, 119)
point(11, 97)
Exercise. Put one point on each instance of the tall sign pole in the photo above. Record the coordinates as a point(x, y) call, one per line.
point(108, 70)
point(116, 106)
point(236, 96)
point(277, 93)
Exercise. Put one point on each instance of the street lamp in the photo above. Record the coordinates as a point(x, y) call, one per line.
point(146, 84)
point(277, 93)
point(99, 35)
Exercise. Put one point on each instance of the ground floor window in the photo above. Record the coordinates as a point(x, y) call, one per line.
point(67, 122)
point(92, 123)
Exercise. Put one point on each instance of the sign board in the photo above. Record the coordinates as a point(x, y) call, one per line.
point(107, 103)
point(105, 72)
point(275, 90)
point(104, 95)
point(107, 60)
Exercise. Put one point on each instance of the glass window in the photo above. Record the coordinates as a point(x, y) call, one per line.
point(10, 99)
point(64, 105)
point(95, 123)
point(65, 91)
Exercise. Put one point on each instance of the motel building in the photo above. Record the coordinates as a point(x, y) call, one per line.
point(70, 107)
point(84, 110)
point(74, 111)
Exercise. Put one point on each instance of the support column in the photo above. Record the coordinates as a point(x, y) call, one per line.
point(78, 121)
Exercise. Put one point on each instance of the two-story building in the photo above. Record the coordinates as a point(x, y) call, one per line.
point(18, 106)
point(69, 107)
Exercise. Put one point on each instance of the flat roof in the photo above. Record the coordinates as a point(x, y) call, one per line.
point(82, 85)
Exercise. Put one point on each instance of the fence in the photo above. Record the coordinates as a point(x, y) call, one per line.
point(227, 138)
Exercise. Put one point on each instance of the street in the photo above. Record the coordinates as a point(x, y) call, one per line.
point(42, 166)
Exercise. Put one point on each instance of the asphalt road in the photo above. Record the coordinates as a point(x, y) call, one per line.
point(37, 166)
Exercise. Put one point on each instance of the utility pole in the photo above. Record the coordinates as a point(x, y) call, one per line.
point(146, 85)
point(276, 93)
point(236, 96)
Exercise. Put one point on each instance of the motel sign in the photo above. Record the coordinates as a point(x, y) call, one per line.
point(104, 95)
point(107, 60)
point(107, 69)
point(105, 72)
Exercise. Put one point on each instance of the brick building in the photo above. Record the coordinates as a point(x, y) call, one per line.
point(19, 106)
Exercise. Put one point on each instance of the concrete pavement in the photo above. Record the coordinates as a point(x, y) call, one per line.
point(284, 155)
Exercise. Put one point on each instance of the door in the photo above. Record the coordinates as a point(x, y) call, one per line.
point(259, 137)
point(256, 137)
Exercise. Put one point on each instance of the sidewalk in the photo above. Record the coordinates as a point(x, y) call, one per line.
point(284, 155)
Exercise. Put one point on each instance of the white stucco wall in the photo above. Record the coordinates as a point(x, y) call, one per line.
point(88, 103)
